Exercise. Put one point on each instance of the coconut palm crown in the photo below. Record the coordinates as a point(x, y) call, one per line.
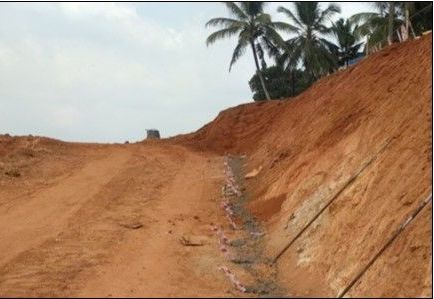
point(379, 26)
point(308, 47)
point(253, 28)
point(348, 44)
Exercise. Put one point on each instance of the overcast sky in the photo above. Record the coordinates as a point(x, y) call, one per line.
point(105, 72)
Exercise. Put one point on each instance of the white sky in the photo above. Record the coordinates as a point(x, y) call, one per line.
point(105, 72)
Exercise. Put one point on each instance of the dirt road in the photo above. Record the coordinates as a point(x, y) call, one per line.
point(112, 227)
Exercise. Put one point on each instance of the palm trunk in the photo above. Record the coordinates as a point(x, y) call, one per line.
point(346, 57)
point(408, 25)
point(407, 19)
point(258, 71)
point(390, 25)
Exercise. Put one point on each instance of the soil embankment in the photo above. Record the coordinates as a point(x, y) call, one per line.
point(341, 167)
point(332, 175)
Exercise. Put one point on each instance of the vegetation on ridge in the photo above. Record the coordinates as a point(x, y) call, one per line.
point(317, 46)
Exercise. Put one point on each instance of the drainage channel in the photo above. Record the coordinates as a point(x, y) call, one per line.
point(245, 250)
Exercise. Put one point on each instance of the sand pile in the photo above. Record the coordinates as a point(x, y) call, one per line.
point(346, 162)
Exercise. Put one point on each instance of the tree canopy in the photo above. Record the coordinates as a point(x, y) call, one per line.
point(317, 45)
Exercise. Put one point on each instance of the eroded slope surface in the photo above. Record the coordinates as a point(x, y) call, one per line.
point(341, 167)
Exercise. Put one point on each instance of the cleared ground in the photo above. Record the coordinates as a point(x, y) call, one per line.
point(74, 231)
point(333, 174)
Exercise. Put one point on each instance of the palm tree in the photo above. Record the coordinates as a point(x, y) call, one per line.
point(390, 19)
point(308, 46)
point(347, 41)
point(379, 26)
point(254, 28)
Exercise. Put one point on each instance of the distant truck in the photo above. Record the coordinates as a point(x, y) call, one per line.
point(152, 134)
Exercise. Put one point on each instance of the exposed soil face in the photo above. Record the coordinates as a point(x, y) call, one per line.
point(344, 164)
point(333, 174)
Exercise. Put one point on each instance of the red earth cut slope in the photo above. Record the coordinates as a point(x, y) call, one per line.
point(346, 163)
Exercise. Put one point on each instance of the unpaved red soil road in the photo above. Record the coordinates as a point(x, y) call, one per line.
point(77, 235)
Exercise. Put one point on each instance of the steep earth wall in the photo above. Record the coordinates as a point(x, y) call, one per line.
point(342, 166)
